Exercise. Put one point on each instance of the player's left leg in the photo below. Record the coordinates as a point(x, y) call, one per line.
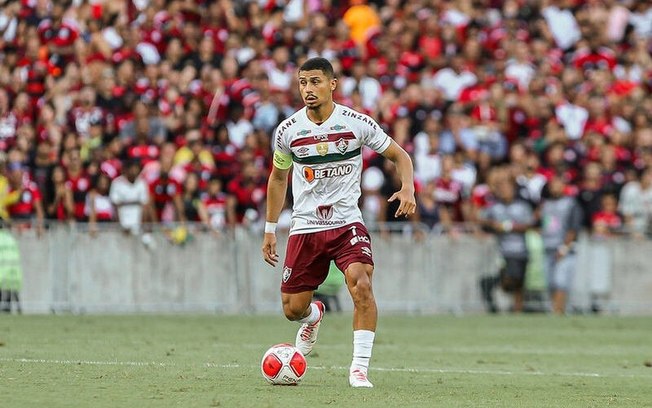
point(296, 306)
point(365, 315)
point(299, 307)
point(305, 268)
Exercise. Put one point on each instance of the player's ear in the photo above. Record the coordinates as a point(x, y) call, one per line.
point(333, 84)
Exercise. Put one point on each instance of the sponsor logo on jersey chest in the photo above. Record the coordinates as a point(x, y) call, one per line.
point(311, 174)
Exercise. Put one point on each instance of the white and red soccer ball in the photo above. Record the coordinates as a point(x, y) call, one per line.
point(283, 364)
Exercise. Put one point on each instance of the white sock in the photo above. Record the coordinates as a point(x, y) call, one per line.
point(363, 342)
point(313, 317)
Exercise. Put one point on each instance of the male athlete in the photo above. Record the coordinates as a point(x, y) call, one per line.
point(323, 141)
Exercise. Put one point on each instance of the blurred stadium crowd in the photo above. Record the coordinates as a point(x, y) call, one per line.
point(191, 91)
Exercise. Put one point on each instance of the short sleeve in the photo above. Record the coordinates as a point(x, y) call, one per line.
point(374, 136)
point(280, 142)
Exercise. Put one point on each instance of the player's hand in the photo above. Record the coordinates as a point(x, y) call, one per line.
point(408, 204)
point(269, 249)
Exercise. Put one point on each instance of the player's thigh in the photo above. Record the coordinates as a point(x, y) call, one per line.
point(359, 274)
point(306, 263)
point(353, 246)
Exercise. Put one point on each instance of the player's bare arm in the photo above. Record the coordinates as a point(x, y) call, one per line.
point(276, 190)
point(405, 195)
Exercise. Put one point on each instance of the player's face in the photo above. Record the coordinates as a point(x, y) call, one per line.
point(316, 88)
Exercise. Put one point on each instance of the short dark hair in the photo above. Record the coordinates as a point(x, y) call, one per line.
point(319, 63)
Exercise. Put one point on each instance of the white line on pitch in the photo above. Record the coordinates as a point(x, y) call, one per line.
point(382, 369)
point(86, 362)
point(602, 351)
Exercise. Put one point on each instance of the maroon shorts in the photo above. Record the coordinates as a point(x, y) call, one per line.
point(308, 256)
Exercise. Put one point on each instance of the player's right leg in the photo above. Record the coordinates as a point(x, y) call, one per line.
point(353, 255)
point(365, 316)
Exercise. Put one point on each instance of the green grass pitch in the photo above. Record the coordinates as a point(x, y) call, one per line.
point(213, 361)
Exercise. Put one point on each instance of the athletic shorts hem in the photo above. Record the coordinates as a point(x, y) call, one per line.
point(298, 289)
point(365, 261)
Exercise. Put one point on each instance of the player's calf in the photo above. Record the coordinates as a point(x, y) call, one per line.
point(307, 334)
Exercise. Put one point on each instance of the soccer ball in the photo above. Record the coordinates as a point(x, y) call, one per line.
point(283, 364)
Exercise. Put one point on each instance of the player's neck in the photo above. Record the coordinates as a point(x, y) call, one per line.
point(321, 113)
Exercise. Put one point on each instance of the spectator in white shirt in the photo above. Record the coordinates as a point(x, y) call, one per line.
point(520, 68)
point(239, 127)
point(129, 194)
point(279, 70)
point(562, 24)
point(452, 80)
point(9, 21)
point(369, 87)
point(636, 204)
point(641, 19)
point(427, 156)
point(573, 117)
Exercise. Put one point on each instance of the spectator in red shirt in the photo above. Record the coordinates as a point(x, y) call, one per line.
point(99, 207)
point(165, 196)
point(59, 33)
point(249, 190)
point(29, 206)
point(143, 149)
point(224, 152)
point(79, 183)
point(220, 206)
point(448, 193)
point(58, 203)
point(607, 222)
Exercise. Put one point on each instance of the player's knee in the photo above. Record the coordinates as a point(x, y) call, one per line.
point(360, 284)
point(363, 286)
point(293, 311)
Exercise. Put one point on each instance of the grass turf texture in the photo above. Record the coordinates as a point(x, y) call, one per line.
point(213, 361)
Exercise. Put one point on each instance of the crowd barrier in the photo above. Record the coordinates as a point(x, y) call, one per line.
point(66, 269)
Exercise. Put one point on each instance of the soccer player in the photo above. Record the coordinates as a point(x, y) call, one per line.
point(323, 142)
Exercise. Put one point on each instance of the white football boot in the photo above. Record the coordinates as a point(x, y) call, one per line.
point(307, 334)
point(358, 379)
